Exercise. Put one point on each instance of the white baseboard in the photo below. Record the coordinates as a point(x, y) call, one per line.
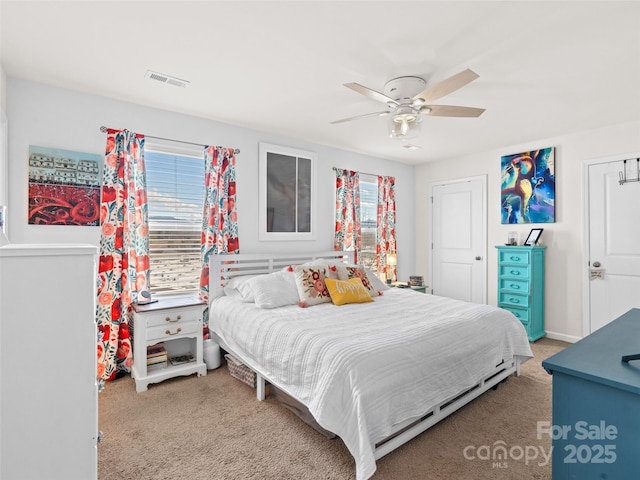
point(563, 337)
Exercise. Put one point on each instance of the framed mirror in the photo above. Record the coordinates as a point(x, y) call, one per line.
point(286, 193)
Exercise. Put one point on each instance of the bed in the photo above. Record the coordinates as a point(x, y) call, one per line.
point(376, 374)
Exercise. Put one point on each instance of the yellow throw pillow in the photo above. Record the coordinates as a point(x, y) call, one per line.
point(347, 291)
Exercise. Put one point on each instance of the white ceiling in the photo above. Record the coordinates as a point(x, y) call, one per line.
point(546, 68)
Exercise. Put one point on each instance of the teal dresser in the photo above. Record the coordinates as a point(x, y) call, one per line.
point(521, 286)
point(595, 427)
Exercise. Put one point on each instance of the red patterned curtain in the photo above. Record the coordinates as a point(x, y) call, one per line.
point(123, 270)
point(386, 231)
point(219, 218)
point(348, 235)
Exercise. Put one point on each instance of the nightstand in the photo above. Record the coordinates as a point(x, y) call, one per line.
point(405, 285)
point(172, 323)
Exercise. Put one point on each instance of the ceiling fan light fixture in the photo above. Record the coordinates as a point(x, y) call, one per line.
point(404, 123)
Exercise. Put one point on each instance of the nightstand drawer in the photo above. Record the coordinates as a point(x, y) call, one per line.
point(520, 313)
point(514, 258)
point(512, 271)
point(173, 316)
point(165, 332)
point(513, 285)
point(513, 299)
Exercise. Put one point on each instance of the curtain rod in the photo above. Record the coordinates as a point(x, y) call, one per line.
point(236, 151)
point(363, 173)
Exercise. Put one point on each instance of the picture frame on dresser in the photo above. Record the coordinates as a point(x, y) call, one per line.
point(534, 236)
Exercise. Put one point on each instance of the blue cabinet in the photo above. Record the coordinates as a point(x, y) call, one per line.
point(521, 286)
point(595, 426)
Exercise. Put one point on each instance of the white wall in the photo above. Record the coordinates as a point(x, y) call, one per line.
point(4, 183)
point(564, 238)
point(52, 117)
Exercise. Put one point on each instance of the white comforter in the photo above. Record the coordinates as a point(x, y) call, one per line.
point(361, 369)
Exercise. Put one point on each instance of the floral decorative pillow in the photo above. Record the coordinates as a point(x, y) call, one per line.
point(348, 272)
point(310, 283)
point(331, 269)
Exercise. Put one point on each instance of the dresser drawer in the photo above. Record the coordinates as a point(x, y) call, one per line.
point(513, 258)
point(165, 332)
point(512, 271)
point(513, 299)
point(514, 285)
point(520, 313)
point(174, 316)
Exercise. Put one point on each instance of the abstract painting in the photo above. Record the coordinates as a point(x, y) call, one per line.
point(64, 187)
point(529, 187)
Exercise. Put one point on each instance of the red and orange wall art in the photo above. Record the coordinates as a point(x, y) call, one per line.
point(64, 187)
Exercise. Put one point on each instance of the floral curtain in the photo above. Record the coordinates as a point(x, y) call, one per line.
point(348, 235)
point(123, 269)
point(219, 217)
point(386, 222)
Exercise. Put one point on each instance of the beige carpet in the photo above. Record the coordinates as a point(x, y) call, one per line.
point(213, 428)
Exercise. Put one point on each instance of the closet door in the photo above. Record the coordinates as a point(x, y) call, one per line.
point(458, 235)
point(614, 250)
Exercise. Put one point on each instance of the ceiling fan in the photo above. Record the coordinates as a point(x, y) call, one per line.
point(409, 98)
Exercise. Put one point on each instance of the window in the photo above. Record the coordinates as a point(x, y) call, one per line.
point(368, 219)
point(175, 192)
point(286, 184)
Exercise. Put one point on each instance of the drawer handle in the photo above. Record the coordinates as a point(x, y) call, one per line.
point(516, 314)
point(513, 300)
point(168, 332)
point(514, 272)
point(515, 286)
point(168, 319)
point(514, 258)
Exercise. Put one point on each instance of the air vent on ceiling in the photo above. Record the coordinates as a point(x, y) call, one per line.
point(168, 79)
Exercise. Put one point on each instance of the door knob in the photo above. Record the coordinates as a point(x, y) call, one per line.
point(596, 264)
point(478, 258)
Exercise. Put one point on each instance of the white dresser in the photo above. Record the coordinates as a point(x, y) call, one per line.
point(48, 386)
point(177, 324)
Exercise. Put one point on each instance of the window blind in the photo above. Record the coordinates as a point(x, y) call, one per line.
point(368, 219)
point(175, 194)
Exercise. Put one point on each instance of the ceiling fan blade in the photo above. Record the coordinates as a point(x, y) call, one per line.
point(372, 94)
point(451, 111)
point(375, 114)
point(447, 86)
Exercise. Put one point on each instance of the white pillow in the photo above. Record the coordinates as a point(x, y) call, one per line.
point(274, 290)
point(239, 286)
point(375, 281)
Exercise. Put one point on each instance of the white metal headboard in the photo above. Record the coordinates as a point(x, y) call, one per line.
point(224, 267)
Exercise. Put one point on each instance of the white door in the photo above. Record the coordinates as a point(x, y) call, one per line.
point(458, 233)
point(614, 242)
